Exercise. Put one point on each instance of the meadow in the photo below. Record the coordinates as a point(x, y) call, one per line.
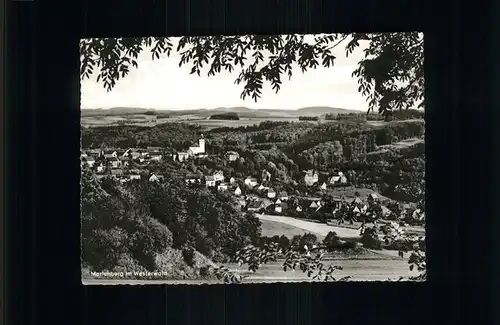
point(148, 120)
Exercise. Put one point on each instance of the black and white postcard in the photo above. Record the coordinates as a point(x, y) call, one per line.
point(252, 159)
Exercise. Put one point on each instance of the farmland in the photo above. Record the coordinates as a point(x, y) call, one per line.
point(150, 121)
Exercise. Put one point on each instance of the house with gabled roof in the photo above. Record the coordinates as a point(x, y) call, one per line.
point(323, 186)
point(210, 181)
point(298, 208)
point(271, 193)
point(310, 177)
point(219, 176)
point(314, 205)
point(154, 178)
point(261, 187)
point(255, 205)
point(89, 160)
point(198, 148)
point(266, 176)
point(337, 178)
point(372, 198)
point(357, 200)
point(237, 191)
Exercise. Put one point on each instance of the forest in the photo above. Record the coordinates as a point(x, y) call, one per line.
point(225, 116)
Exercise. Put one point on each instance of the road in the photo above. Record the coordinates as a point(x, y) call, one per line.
point(313, 227)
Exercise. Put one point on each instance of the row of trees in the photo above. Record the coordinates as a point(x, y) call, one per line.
point(400, 115)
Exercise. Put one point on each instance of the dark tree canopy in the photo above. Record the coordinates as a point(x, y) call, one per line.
point(390, 76)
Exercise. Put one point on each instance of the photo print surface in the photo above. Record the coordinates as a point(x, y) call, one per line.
point(251, 159)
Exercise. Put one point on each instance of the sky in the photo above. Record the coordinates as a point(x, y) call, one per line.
point(161, 84)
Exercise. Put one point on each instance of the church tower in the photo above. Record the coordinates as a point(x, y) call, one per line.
point(201, 142)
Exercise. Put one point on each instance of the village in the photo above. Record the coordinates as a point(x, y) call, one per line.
point(253, 193)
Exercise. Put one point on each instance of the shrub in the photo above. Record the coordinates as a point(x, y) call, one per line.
point(295, 242)
point(188, 255)
point(370, 239)
point(307, 239)
point(283, 242)
point(332, 241)
point(349, 245)
point(104, 248)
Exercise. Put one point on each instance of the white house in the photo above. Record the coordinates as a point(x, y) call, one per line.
point(101, 168)
point(232, 155)
point(278, 208)
point(154, 178)
point(261, 187)
point(313, 205)
point(198, 148)
point(219, 176)
point(323, 186)
point(278, 201)
point(222, 187)
point(271, 193)
point(237, 191)
point(209, 181)
point(182, 156)
point(298, 208)
point(372, 198)
point(155, 155)
point(232, 180)
point(338, 178)
point(90, 161)
point(251, 181)
point(310, 177)
point(135, 177)
point(360, 208)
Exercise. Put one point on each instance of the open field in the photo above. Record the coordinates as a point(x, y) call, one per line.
point(288, 226)
point(358, 270)
point(148, 120)
point(272, 228)
point(319, 229)
point(212, 124)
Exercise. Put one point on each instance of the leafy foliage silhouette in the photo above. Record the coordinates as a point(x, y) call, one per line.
point(390, 76)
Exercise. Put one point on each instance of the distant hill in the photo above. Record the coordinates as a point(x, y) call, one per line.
point(243, 112)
